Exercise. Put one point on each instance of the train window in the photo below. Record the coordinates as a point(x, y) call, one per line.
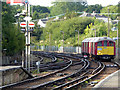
point(111, 43)
point(105, 43)
point(99, 43)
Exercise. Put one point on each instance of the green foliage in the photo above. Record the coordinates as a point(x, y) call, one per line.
point(54, 85)
point(12, 39)
point(69, 79)
point(68, 26)
point(71, 23)
point(63, 7)
point(112, 9)
point(34, 72)
point(92, 8)
point(40, 12)
point(86, 82)
point(17, 8)
point(40, 9)
point(99, 26)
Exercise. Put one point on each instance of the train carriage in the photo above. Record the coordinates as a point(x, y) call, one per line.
point(99, 47)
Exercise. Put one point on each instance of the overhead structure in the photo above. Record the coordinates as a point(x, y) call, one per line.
point(15, 1)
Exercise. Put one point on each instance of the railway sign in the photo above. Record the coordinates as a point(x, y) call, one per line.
point(23, 24)
point(31, 24)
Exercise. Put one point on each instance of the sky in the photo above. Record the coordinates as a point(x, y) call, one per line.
point(90, 2)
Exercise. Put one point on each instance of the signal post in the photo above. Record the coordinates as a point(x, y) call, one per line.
point(27, 27)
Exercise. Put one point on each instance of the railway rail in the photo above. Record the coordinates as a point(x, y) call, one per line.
point(63, 79)
point(77, 73)
point(26, 83)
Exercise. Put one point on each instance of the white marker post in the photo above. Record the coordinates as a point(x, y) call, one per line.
point(38, 65)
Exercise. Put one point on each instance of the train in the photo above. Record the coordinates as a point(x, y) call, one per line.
point(99, 48)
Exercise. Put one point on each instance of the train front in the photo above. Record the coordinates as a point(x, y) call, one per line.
point(105, 48)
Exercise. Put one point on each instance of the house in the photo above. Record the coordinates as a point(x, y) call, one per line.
point(97, 16)
point(42, 22)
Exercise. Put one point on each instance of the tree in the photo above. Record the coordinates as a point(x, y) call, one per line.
point(68, 26)
point(40, 12)
point(95, 8)
point(35, 15)
point(62, 7)
point(112, 9)
point(12, 39)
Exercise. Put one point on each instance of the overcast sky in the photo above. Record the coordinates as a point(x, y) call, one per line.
point(90, 2)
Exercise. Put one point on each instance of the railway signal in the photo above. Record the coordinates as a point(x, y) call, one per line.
point(30, 25)
point(27, 27)
point(15, 1)
point(23, 26)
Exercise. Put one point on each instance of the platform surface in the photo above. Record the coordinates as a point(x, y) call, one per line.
point(3, 68)
point(112, 81)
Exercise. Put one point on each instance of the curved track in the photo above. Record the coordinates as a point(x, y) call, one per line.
point(38, 80)
point(76, 73)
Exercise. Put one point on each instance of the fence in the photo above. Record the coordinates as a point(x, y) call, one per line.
point(11, 59)
point(57, 49)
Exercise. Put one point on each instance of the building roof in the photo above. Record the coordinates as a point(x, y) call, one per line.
point(100, 17)
point(97, 39)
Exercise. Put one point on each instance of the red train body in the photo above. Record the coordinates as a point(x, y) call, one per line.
point(99, 47)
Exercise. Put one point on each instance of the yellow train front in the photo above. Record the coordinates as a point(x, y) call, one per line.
point(99, 47)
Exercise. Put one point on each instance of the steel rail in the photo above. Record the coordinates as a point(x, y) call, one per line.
point(36, 78)
point(78, 84)
point(85, 66)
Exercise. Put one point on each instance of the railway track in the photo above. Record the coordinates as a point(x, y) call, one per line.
point(63, 79)
point(77, 73)
point(47, 62)
point(39, 80)
point(110, 67)
point(86, 78)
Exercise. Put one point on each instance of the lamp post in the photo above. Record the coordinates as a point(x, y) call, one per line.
point(49, 39)
point(108, 23)
point(63, 39)
point(78, 39)
point(117, 40)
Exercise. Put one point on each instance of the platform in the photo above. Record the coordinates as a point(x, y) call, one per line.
point(3, 68)
point(12, 74)
point(110, 82)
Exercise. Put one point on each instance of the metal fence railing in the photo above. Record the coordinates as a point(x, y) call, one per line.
point(57, 49)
